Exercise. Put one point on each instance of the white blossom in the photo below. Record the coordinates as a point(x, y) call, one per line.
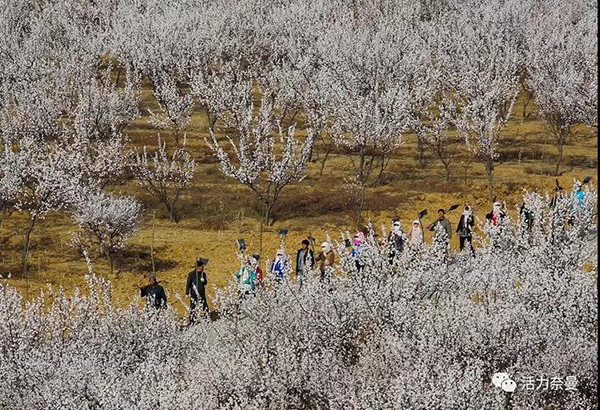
point(259, 164)
point(164, 176)
point(105, 221)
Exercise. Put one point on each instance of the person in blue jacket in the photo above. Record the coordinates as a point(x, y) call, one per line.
point(279, 266)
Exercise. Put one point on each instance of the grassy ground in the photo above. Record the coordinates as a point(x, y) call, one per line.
point(217, 210)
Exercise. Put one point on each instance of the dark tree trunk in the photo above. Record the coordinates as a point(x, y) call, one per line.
point(562, 133)
point(378, 181)
point(111, 261)
point(325, 158)
point(26, 243)
point(489, 169)
point(447, 169)
point(361, 167)
point(528, 97)
point(174, 215)
point(560, 157)
point(421, 152)
point(268, 212)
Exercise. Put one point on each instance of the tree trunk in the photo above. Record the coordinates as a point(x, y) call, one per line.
point(211, 120)
point(173, 213)
point(111, 262)
point(421, 152)
point(560, 143)
point(526, 103)
point(176, 136)
point(260, 237)
point(361, 167)
point(489, 169)
point(467, 174)
point(378, 181)
point(26, 244)
point(361, 204)
point(447, 169)
point(268, 212)
point(152, 243)
point(325, 158)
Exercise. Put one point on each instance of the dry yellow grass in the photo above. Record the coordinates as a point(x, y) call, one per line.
point(217, 210)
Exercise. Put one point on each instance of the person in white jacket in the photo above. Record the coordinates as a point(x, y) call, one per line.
point(415, 236)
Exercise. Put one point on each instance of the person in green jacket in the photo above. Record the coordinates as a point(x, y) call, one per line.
point(245, 278)
point(444, 223)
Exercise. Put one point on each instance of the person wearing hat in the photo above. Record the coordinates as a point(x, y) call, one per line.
point(357, 249)
point(497, 215)
point(279, 266)
point(326, 258)
point(415, 235)
point(526, 216)
point(579, 204)
point(154, 293)
point(579, 194)
point(465, 228)
point(246, 277)
point(444, 223)
point(195, 288)
point(396, 239)
point(305, 258)
point(558, 194)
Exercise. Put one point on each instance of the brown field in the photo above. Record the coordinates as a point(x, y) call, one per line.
point(217, 210)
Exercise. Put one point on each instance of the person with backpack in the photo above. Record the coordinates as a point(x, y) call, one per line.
point(558, 195)
point(465, 227)
point(358, 243)
point(195, 288)
point(526, 216)
point(580, 195)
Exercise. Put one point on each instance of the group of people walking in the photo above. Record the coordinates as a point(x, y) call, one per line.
point(195, 288)
point(250, 275)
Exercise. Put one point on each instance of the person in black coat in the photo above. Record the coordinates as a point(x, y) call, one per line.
point(395, 240)
point(305, 257)
point(465, 228)
point(154, 293)
point(558, 193)
point(195, 288)
point(526, 217)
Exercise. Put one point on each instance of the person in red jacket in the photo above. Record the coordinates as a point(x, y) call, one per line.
point(497, 215)
point(256, 266)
